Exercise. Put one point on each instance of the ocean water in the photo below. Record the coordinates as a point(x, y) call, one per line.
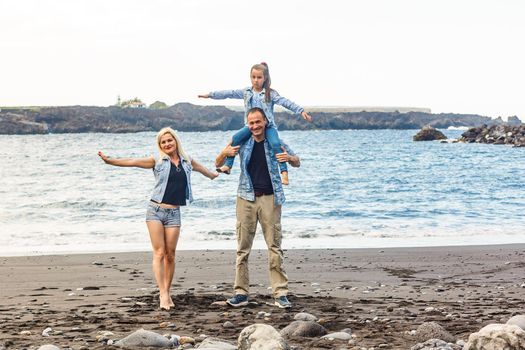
point(355, 188)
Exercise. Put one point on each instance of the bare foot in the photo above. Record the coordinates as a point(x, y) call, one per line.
point(224, 169)
point(164, 302)
point(284, 178)
point(172, 304)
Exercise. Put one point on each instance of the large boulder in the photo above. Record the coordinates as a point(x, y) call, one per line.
point(428, 133)
point(518, 320)
point(497, 336)
point(308, 329)
point(261, 337)
point(142, 338)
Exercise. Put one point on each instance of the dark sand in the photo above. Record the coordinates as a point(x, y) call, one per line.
point(379, 293)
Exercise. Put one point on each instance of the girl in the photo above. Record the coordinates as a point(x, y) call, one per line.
point(261, 95)
point(172, 189)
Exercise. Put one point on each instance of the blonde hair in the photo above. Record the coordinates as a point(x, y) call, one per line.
point(180, 150)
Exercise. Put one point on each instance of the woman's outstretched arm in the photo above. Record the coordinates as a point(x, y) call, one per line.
point(198, 167)
point(146, 163)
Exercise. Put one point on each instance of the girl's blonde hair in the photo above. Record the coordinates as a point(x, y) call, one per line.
point(180, 150)
point(263, 67)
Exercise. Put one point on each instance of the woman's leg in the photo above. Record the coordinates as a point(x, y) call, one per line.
point(171, 237)
point(156, 234)
point(238, 138)
point(275, 143)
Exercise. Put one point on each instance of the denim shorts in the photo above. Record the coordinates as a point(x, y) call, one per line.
point(168, 217)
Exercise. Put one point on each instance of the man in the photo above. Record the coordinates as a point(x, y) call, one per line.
point(259, 199)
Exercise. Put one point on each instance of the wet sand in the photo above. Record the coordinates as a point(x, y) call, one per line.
point(381, 294)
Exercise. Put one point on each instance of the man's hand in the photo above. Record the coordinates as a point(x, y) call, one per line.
point(204, 96)
point(230, 151)
point(282, 157)
point(294, 161)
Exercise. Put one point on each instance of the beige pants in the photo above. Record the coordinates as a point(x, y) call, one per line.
point(264, 211)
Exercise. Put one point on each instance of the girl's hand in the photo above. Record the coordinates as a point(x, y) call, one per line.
point(103, 157)
point(306, 116)
point(204, 96)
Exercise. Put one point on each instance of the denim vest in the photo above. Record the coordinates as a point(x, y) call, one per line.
point(249, 102)
point(245, 189)
point(162, 172)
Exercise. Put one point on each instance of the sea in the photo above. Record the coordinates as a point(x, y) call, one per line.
point(354, 189)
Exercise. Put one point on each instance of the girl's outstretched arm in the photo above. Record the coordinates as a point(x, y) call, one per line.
point(198, 167)
point(223, 94)
point(146, 163)
point(306, 116)
point(291, 106)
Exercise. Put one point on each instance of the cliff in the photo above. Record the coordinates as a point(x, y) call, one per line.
point(188, 117)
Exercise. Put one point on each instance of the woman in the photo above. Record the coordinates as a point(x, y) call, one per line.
point(172, 189)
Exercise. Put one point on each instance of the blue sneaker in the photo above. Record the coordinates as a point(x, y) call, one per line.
point(238, 300)
point(283, 302)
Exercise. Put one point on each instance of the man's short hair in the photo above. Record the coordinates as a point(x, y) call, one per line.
point(256, 109)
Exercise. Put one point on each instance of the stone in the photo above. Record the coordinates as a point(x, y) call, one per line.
point(305, 316)
point(48, 347)
point(428, 133)
point(142, 338)
point(45, 332)
point(228, 324)
point(497, 336)
point(436, 344)
point(518, 320)
point(308, 329)
point(261, 337)
point(432, 330)
point(216, 344)
point(345, 334)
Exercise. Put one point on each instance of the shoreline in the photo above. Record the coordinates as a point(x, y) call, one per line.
point(290, 244)
point(380, 293)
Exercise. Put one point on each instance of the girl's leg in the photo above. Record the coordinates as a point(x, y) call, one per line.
point(171, 237)
point(238, 138)
point(156, 234)
point(275, 143)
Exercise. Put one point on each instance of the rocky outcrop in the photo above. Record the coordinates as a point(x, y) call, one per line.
point(429, 133)
point(188, 117)
point(497, 336)
point(503, 134)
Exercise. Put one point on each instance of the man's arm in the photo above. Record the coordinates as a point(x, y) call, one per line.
point(228, 151)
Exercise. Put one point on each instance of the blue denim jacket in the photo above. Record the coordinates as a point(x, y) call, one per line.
point(250, 101)
point(245, 189)
point(162, 172)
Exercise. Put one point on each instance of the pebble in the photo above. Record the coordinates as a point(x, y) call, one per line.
point(228, 324)
point(45, 332)
point(25, 333)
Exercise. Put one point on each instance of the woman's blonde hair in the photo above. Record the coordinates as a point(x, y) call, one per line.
point(180, 150)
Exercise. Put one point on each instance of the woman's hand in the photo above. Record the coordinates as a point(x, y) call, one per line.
point(204, 96)
point(306, 116)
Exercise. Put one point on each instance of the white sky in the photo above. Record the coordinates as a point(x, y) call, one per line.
point(461, 56)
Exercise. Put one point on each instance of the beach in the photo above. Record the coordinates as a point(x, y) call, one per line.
point(381, 294)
